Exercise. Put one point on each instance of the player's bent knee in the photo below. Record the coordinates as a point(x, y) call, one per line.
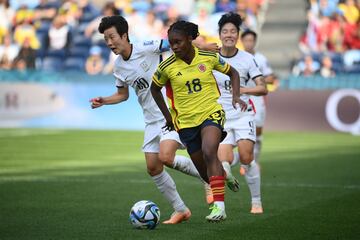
point(246, 158)
point(154, 170)
point(166, 159)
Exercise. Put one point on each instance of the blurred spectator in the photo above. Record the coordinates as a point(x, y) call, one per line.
point(23, 14)
point(29, 3)
point(72, 12)
point(26, 56)
point(202, 16)
point(45, 11)
point(8, 52)
point(59, 35)
point(6, 15)
point(184, 7)
point(88, 10)
point(327, 7)
point(352, 36)
point(248, 14)
point(91, 30)
point(152, 26)
point(225, 6)
point(94, 63)
point(307, 67)
point(350, 11)
point(26, 30)
point(327, 70)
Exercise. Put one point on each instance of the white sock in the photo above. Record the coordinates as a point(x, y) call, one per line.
point(227, 168)
point(167, 187)
point(236, 159)
point(252, 178)
point(220, 204)
point(185, 165)
point(257, 148)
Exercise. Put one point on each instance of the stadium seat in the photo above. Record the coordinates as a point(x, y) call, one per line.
point(59, 53)
point(80, 40)
point(44, 27)
point(52, 64)
point(76, 51)
point(74, 64)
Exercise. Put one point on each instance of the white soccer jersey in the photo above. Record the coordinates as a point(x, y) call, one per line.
point(263, 64)
point(259, 101)
point(137, 72)
point(248, 70)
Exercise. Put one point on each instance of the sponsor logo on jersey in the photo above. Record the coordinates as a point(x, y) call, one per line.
point(148, 43)
point(202, 67)
point(221, 61)
point(144, 66)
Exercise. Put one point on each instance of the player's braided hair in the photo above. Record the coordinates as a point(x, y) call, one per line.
point(230, 17)
point(188, 28)
point(118, 22)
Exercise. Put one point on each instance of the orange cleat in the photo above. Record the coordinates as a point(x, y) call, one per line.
point(178, 217)
point(256, 208)
point(208, 194)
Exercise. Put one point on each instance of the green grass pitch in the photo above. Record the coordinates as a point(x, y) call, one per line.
point(70, 184)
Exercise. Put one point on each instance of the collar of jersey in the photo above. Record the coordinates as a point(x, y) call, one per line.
point(131, 50)
point(237, 50)
point(195, 56)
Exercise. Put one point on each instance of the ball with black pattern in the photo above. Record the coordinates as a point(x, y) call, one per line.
point(145, 215)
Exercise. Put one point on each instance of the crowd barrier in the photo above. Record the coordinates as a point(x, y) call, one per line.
point(61, 100)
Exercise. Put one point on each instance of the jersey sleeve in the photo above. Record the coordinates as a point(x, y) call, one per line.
point(155, 46)
point(119, 79)
point(160, 78)
point(254, 70)
point(266, 69)
point(220, 64)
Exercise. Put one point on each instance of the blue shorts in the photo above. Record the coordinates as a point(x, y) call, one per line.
point(191, 137)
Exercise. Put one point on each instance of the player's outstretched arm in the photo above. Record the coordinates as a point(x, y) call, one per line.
point(159, 99)
point(259, 90)
point(212, 47)
point(121, 95)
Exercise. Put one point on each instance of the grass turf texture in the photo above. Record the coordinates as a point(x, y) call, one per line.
point(81, 185)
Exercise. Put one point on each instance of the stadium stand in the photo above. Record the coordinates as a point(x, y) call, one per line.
point(38, 22)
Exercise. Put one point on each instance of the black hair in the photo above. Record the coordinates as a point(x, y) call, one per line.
point(188, 28)
point(230, 17)
point(118, 22)
point(249, 32)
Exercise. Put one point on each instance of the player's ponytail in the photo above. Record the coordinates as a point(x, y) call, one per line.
point(188, 28)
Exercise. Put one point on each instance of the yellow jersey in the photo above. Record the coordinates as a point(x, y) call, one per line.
point(191, 89)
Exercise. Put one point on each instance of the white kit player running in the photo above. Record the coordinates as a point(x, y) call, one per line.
point(135, 67)
point(239, 125)
point(248, 39)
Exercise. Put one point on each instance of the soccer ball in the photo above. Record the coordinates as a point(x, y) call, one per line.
point(145, 215)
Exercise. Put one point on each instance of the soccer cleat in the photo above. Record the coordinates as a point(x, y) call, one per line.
point(256, 208)
point(232, 182)
point(208, 194)
point(242, 171)
point(178, 217)
point(217, 214)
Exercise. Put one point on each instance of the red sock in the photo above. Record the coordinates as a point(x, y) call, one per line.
point(217, 184)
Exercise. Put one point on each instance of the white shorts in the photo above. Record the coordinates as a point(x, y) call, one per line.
point(154, 134)
point(240, 129)
point(260, 109)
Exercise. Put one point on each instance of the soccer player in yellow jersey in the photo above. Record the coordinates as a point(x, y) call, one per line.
point(192, 92)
